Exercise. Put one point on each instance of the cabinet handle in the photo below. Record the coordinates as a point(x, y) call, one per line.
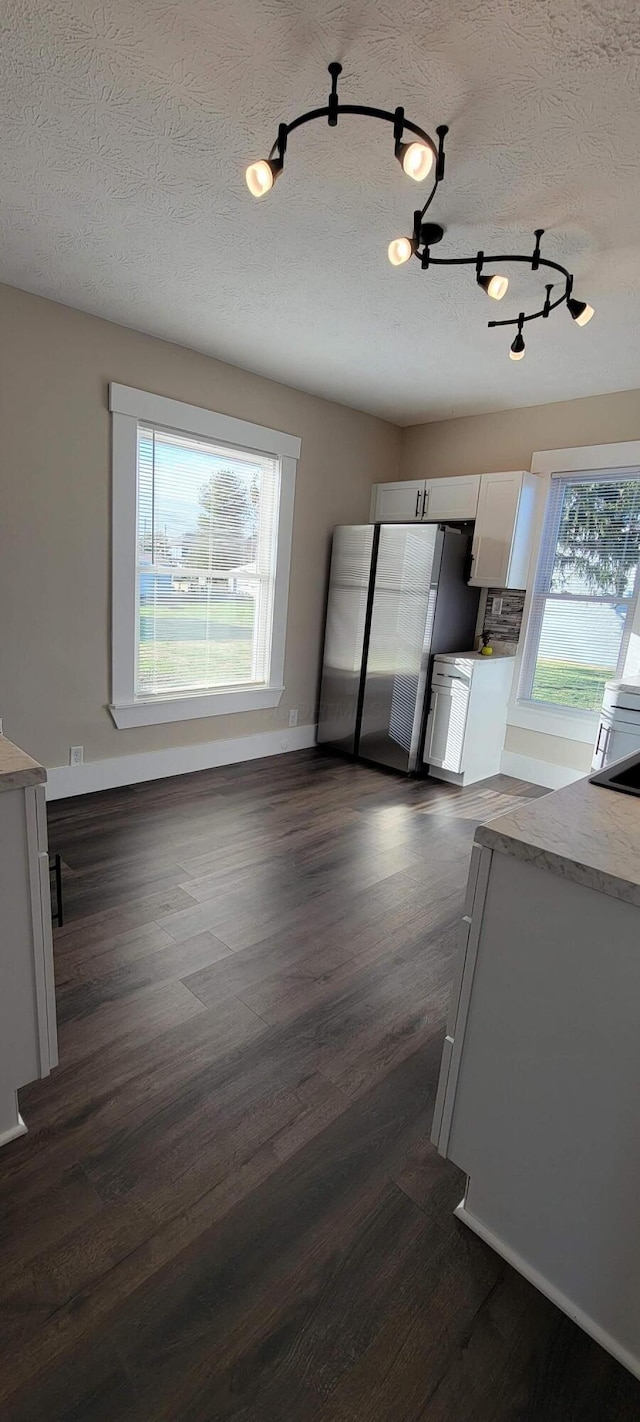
point(424, 503)
point(601, 728)
point(417, 512)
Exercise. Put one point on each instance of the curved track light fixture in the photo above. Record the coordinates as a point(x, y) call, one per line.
point(418, 155)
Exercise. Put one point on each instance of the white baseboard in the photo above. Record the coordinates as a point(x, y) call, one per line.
point(13, 1132)
point(583, 1320)
point(65, 780)
point(539, 772)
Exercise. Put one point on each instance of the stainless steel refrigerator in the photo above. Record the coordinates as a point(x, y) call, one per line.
point(398, 593)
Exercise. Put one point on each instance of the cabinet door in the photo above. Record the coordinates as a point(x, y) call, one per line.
point(452, 498)
point(398, 503)
point(495, 527)
point(43, 976)
point(446, 725)
point(602, 738)
point(618, 744)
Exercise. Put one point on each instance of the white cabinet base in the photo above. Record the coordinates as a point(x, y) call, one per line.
point(606, 1340)
point(539, 1098)
point(28, 1039)
point(11, 1122)
point(467, 718)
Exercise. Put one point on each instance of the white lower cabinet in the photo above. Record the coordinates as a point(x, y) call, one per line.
point(537, 1100)
point(467, 718)
point(28, 1038)
point(614, 741)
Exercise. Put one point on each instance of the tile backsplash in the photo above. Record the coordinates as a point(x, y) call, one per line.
point(503, 628)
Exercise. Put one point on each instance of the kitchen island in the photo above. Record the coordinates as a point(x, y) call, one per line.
point(28, 1040)
point(539, 1093)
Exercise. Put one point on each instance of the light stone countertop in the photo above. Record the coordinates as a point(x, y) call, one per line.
point(496, 656)
point(584, 832)
point(17, 768)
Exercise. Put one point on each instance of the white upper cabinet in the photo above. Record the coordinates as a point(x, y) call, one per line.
point(452, 498)
point(502, 505)
point(504, 529)
point(400, 502)
point(431, 500)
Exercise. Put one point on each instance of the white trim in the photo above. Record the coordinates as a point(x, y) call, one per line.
point(12, 1132)
point(539, 772)
point(192, 419)
point(191, 708)
point(124, 447)
point(584, 457)
point(545, 462)
point(64, 780)
point(128, 407)
point(569, 724)
point(528, 1271)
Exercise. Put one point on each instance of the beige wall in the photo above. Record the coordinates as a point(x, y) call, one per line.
point(555, 750)
point(483, 443)
point(55, 366)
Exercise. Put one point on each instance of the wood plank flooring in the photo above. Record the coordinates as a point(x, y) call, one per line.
point(227, 1206)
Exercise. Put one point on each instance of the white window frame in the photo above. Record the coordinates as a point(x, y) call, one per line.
point(129, 408)
point(568, 723)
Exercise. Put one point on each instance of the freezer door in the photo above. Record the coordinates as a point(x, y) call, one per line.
point(349, 579)
point(402, 613)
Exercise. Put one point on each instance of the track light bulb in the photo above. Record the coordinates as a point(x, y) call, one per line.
point(581, 311)
point(260, 177)
point(517, 347)
point(494, 285)
point(416, 159)
point(400, 250)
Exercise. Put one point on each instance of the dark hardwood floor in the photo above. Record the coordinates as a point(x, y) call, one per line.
point(227, 1205)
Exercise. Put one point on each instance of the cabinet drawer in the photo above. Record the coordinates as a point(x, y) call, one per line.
point(472, 881)
point(445, 673)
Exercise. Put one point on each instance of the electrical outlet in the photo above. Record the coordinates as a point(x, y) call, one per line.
point(496, 607)
point(293, 717)
point(76, 755)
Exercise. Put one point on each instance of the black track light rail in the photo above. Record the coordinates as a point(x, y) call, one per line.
point(535, 261)
point(333, 109)
point(426, 234)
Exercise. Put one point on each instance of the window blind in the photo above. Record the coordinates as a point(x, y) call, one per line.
point(207, 517)
point(585, 587)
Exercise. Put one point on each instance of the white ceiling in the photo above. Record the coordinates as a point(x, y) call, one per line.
point(126, 127)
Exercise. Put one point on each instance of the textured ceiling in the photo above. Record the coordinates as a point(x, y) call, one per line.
point(127, 126)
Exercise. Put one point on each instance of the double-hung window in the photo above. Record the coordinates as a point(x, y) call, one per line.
point(585, 591)
point(202, 519)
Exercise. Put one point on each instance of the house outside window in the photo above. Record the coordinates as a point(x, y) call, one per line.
point(202, 522)
point(585, 590)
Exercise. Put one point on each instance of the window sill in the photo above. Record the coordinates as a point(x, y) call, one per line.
point(569, 724)
point(189, 708)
